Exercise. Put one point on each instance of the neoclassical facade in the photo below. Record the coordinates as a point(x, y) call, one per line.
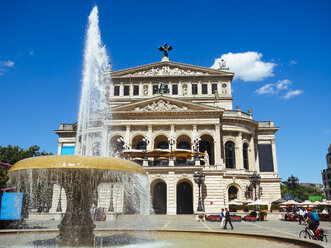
point(190, 107)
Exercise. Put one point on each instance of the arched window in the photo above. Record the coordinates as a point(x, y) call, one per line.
point(230, 161)
point(163, 145)
point(184, 145)
point(232, 193)
point(245, 155)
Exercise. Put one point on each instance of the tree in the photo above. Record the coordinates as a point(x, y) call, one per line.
point(12, 154)
point(299, 192)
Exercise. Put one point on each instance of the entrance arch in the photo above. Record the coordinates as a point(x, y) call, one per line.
point(184, 198)
point(159, 194)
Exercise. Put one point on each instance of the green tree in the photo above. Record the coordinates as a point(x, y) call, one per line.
point(12, 154)
point(299, 191)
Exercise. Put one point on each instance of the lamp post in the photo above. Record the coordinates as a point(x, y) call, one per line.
point(255, 180)
point(171, 141)
point(199, 178)
point(111, 204)
point(146, 142)
point(59, 207)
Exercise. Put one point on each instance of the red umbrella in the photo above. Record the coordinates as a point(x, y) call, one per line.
point(5, 165)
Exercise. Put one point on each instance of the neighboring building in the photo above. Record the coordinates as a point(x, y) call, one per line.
point(326, 174)
point(198, 105)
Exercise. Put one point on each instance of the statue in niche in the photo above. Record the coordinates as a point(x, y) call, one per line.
point(145, 89)
point(184, 89)
point(206, 158)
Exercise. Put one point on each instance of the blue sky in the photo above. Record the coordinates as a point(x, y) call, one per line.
point(41, 53)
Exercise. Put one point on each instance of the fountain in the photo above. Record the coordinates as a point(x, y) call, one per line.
point(81, 174)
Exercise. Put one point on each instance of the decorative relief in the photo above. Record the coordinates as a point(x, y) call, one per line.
point(161, 106)
point(167, 71)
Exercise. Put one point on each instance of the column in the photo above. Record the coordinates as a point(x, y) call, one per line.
point(127, 135)
point(172, 134)
point(199, 88)
point(257, 162)
point(150, 136)
point(251, 154)
point(274, 157)
point(239, 152)
point(150, 89)
point(59, 148)
point(209, 88)
point(141, 93)
point(217, 147)
point(121, 89)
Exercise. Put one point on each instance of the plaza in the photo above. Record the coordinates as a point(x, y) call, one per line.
point(273, 226)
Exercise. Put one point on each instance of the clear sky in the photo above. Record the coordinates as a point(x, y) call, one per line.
point(279, 50)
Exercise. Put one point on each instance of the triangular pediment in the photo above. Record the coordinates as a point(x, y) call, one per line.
point(165, 104)
point(169, 69)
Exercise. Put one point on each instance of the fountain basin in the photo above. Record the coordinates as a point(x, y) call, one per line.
point(165, 238)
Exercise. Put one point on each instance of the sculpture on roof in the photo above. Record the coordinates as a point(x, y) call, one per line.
point(165, 49)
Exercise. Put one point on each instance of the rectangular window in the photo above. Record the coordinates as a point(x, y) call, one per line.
point(155, 89)
point(116, 90)
point(204, 89)
point(126, 90)
point(194, 89)
point(265, 158)
point(135, 90)
point(175, 89)
point(213, 88)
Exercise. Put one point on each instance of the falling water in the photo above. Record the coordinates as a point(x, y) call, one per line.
point(94, 107)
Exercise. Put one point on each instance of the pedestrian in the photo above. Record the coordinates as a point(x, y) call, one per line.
point(301, 215)
point(222, 218)
point(227, 219)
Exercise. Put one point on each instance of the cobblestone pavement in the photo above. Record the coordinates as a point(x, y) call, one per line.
point(188, 222)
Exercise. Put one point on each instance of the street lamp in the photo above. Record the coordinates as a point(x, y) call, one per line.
point(199, 178)
point(171, 141)
point(146, 141)
point(255, 180)
point(196, 142)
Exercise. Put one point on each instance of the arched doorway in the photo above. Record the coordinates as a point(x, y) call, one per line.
point(232, 193)
point(184, 198)
point(160, 198)
point(207, 144)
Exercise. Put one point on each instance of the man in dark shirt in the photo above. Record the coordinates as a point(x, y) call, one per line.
point(227, 219)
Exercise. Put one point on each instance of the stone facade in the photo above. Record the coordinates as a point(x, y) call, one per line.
point(326, 175)
point(198, 105)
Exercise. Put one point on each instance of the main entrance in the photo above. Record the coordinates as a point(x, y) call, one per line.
point(160, 198)
point(184, 198)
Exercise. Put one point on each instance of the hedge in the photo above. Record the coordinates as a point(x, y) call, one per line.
point(275, 206)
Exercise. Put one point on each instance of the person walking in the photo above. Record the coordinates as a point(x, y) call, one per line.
point(227, 219)
point(222, 218)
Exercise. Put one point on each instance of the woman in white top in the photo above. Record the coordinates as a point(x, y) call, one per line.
point(223, 218)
